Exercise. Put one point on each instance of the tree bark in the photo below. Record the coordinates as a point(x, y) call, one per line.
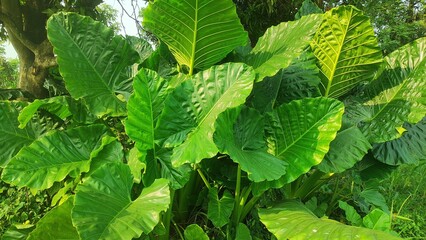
point(25, 25)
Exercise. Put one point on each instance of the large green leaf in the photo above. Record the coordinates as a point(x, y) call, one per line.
point(56, 224)
point(103, 207)
point(144, 108)
point(347, 50)
point(192, 108)
point(398, 95)
point(93, 62)
point(52, 157)
point(240, 134)
point(292, 220)
point(219, 210)
point(55, 105)
point(410, 148)
point(12, 138)
point(195, 232)
point(308, 7)
point(297, 81)
point(348, 148)
point(281, 44)
point(300, 133)
point(199, 33)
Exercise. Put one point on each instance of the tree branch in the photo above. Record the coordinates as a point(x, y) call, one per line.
point(19, 34)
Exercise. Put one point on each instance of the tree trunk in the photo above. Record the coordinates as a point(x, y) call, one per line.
point(25, 25)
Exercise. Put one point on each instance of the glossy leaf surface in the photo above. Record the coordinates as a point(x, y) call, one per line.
point(347, 50)
point(280, 44)
point(93, 62)
point(292, 220)
point(52, 157)
point(192, 108)
point(239, 133)
point(300, 133)
point(199, 33)
point(195, 232)
point(104, 210)
point(348, 148)
point(398, 95)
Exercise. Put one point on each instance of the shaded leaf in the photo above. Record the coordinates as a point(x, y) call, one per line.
point(56, 224)
point(308, 7)
point(398, 95)
point(299, 80)
point(410, 148)
point(104, 210)
point(348, 148)
point(219, 210)
point(243, 233)
point(239, 133)
point(91, 57)
point(351, 214)
point(199, 33)
point(292, 220)
point(12, 138)
point(347, 50)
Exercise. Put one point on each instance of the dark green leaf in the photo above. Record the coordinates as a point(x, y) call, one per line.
point(351, 214)
point(219, 210)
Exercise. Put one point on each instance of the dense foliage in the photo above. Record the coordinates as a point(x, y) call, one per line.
point(213, 138)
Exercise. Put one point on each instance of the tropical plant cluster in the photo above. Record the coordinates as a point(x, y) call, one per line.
point(206, 137)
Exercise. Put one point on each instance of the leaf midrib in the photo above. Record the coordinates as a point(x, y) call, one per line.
point(327, 91)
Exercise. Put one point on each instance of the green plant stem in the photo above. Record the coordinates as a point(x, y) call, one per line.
point(177, 229)
point(206, 182)
point(168, 217)
point(309, 184)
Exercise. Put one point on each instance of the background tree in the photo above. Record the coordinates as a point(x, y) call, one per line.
point(396, 22)
point(23, 23)
point(9, 70)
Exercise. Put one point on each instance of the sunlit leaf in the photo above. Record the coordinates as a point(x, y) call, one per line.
point(199, 33)
point(54, 156)
point(93, 62)
point(292, 220)
point(347, 50)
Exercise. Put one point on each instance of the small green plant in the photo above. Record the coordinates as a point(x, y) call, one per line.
point(208, 132)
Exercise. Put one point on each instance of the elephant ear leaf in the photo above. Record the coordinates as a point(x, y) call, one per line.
point(301, 131)
point(199, 33)
point(191, 110)
point(399, 93)
point(93, 62)
point(292, 220)
point(281, 44)
point(53, 156)
point(239, 133)
point(13, 138)
point(347, 50)
point(103, 208)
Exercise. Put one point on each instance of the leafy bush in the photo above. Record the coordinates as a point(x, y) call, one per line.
point(196, 149)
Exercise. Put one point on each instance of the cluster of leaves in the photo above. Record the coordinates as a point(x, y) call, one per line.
point(212, 127)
